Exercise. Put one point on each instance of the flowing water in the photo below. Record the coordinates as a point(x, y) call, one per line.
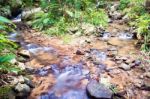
point(61, 74)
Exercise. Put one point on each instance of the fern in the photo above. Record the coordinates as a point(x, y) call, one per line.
point(6, 58)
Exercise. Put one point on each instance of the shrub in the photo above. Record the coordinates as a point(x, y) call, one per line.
point(61, 14)
point(123, 4)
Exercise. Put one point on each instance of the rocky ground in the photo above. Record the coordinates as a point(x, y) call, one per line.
point(103, 65)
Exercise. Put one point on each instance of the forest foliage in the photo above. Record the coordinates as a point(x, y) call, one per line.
point(59, 15)
point(139, 18)
point(7, 47)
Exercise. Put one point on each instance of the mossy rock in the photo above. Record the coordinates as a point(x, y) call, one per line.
point(4, 91)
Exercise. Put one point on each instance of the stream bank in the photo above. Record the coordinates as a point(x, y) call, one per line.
point(106, 65)
point(62, 71)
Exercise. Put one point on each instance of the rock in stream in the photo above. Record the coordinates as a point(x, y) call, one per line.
point(98, 91)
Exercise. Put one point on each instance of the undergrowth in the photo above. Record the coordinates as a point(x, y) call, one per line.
point(7, 47)
point(139, 18)
point(58, 16)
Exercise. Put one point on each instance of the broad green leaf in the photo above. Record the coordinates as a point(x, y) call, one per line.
point(6, 58)
point(4, 20)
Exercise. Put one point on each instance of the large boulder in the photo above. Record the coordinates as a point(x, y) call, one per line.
point(24, 53)
point(98, 90)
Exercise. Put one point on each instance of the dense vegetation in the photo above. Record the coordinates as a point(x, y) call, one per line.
point(58, 16)
point(7, 47)
point(139, 18)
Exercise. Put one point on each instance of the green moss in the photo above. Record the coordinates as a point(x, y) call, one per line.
point(5, 90)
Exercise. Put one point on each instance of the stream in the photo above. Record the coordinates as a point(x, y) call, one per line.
point(63, 71)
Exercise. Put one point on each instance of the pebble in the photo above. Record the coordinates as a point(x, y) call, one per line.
point(125, 67)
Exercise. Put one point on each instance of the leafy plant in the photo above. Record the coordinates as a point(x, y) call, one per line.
point(6, 44)
point(143, 30)
point(42, 21)
point(97, 17)
point(6, 58)
point(124, 4)
point(59, 15)
point(140, 19)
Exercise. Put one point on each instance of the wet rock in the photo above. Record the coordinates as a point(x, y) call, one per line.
point(98, 90)
point(28, 82)
point(125, 67)
point(22, 88)
point(78, 52)
point(24, 53)
point(105, 35)
point(137, 62)
point(125, 36)
point(97, 55)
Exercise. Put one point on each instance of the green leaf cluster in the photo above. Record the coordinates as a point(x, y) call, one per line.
point(59, 15)
point(6, 44)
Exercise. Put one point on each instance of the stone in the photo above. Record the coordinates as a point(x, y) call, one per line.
point(137, 62)
point(28, 82)
point(98, 90)
point(24, 53)
point(15, 81)
point(88, 28)
point(21, 65)
point(29, 14)
point(112, 53)
point(78, 52)
point(22, 88)
point(147, 74)
point(125, 67)
point(125, 18)
point(73, 30)
point(114, 7)
point(30, 70)
point(138, 83)
point(112, 49)
point(21, 79)
point(21, 59)
point(116, 15)
point(78, 33)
